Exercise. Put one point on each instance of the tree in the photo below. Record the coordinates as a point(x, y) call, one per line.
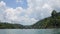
point(54, 14)
point(54, 18)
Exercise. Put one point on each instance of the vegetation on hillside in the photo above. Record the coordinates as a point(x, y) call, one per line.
point(9, 26)
point(50, 22)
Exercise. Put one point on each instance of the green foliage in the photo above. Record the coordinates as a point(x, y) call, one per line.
point(54, 14)
point(10, 26)
point(50, 22)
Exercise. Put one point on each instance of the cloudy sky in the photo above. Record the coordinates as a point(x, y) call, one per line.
point(26, 12)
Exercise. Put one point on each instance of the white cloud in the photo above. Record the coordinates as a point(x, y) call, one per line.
point(2, 4)
point(10, 13)
point(14, 15)
point(37, 9)
point(45, 6)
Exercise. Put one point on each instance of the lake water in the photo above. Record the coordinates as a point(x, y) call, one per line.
point(29, 31)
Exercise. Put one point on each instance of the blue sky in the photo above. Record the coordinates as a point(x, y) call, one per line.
point(27, 12)
point(14, 3)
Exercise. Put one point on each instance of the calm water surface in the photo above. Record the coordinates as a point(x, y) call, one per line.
point(29, 31)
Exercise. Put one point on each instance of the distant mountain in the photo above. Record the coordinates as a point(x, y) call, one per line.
point(10, 26)
point(51, 22)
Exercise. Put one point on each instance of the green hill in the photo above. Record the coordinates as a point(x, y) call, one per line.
point(50, 22)
point(10, 26)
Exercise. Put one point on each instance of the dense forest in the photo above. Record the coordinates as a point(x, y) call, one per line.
point(50, 22)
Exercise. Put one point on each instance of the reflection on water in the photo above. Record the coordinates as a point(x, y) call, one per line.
point(29, 31)
point(56, 31)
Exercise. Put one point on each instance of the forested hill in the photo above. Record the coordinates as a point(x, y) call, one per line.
point(10, 26)
point(51, 22)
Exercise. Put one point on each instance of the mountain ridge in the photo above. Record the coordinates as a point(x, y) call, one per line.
point(50, 22)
